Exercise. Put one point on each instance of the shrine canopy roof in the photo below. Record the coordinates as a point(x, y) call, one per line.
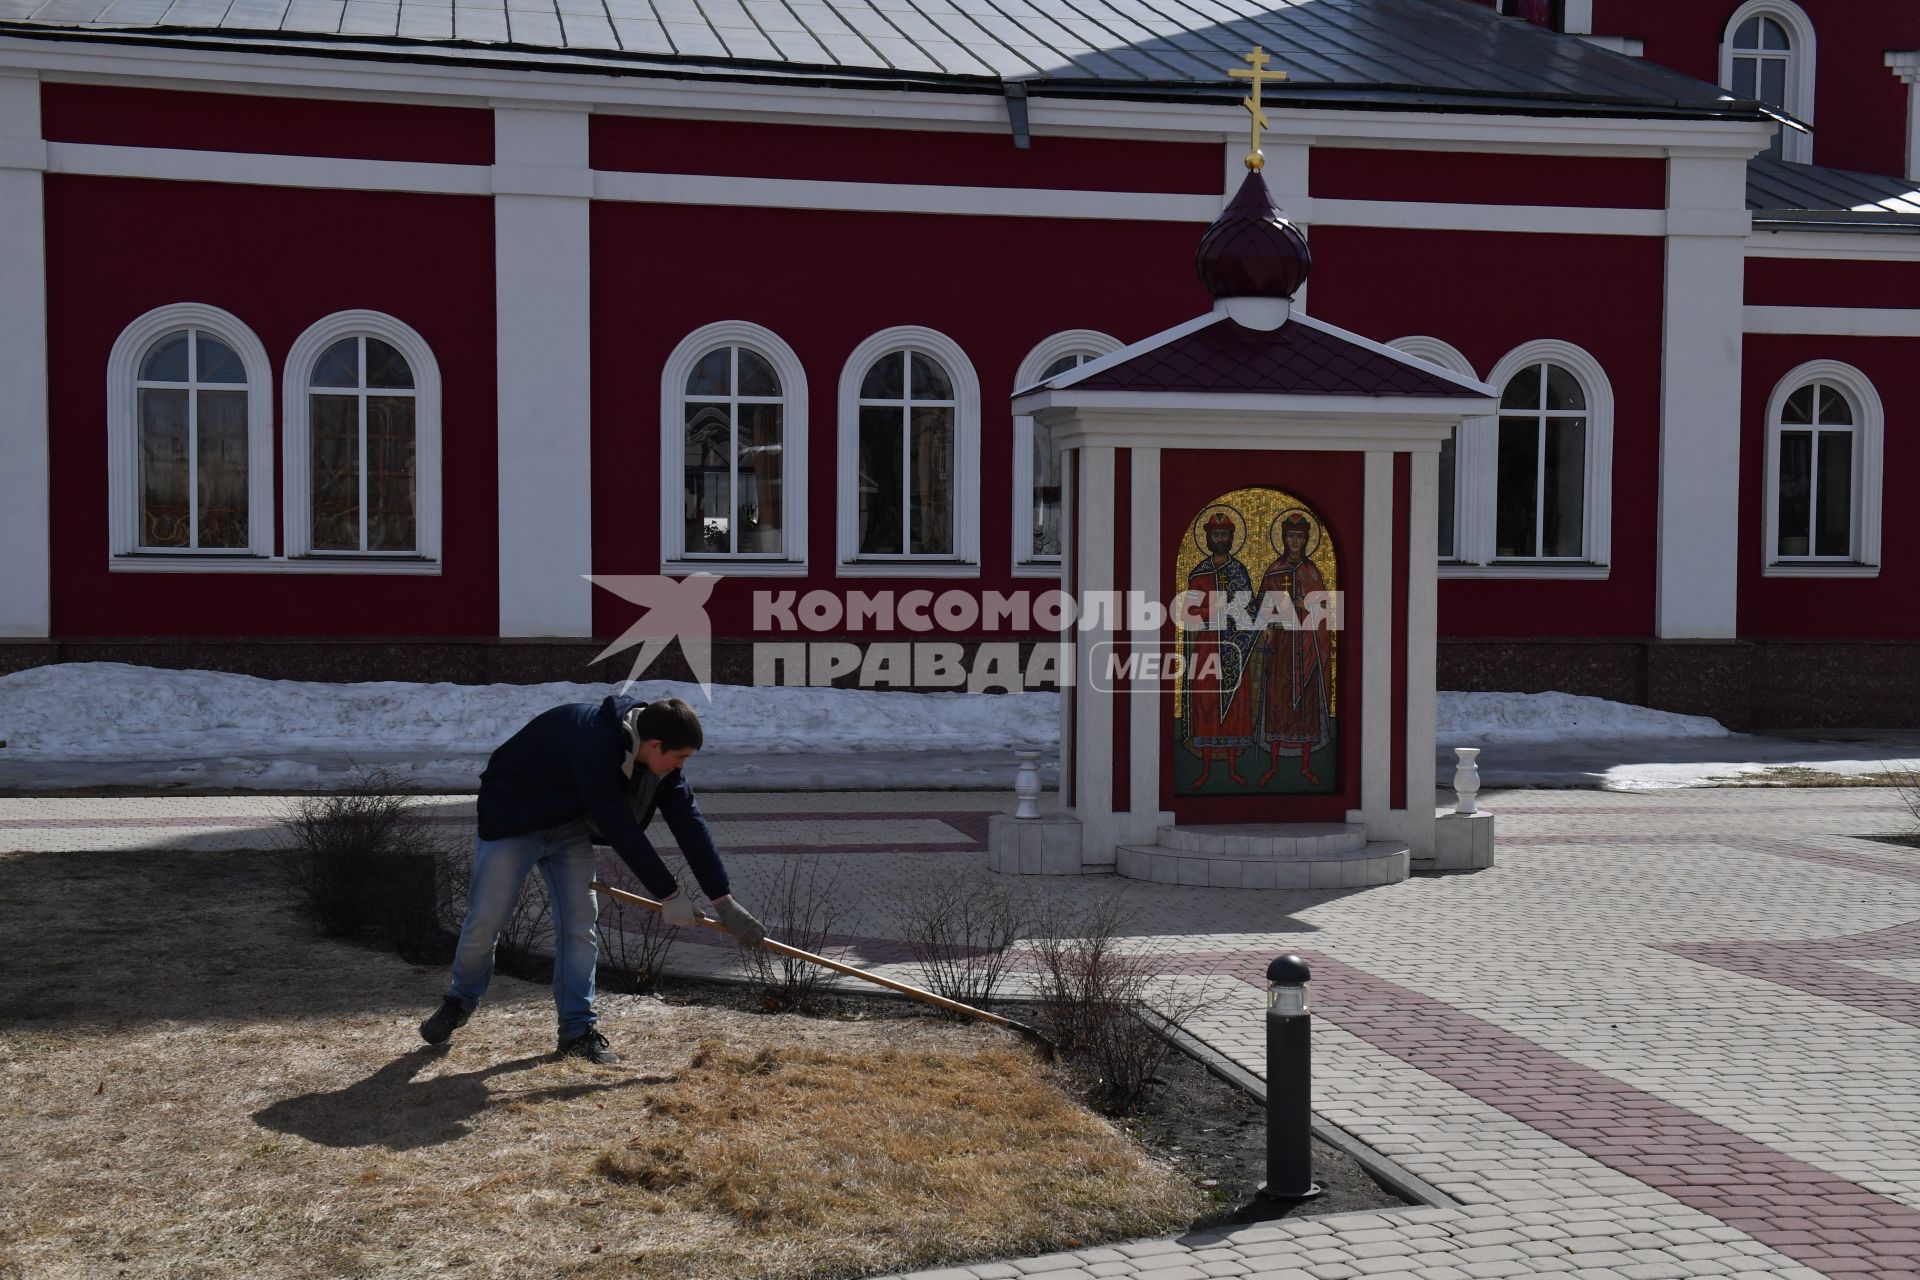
point(1414, 55)
point(1215, 362)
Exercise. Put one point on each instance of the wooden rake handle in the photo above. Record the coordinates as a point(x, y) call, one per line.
point(904, 988)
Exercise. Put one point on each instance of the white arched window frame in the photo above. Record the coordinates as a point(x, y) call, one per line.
point(297, 453)
point(1799, 60)
point(964, 562)
point(1477, 551)
point(123, 440)
point(1868, 427)
point(1473, 437)
point(1079, 345)
point(675, 559)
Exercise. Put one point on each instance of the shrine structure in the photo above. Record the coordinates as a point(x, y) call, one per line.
point(1254, 678)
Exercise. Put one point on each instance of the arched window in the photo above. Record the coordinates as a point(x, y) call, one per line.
point(1036, 458)
point(909, 456)
point(733, 475)
point(190, 437)
point(1824, 424)
point(361, 472)
point(1542, 476)
point(1455, 456)
point(1767, 54)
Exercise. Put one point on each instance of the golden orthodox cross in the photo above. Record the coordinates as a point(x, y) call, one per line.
point(1259, 76)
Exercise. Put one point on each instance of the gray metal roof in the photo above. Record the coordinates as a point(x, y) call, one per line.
point(1807, 195)
point(1398, 53)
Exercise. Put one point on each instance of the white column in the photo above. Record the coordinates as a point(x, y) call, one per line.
point(1906, 65)
point(25, 570)
point(542, 262)
point(1376, 646)
point(1707, 226)
point(1146, 728)
point(1423, 602)
point(1069, 660)
point(1093, 747)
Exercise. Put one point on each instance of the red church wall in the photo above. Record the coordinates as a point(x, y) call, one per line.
point(817, 279)
point(1335, 485)
point(430, 264)
point(1807, 282)
point(824, 153)
point(1487, 294)
point(1886, 607)
point(123, 117)
point(1860, 106)
point(1454, 177)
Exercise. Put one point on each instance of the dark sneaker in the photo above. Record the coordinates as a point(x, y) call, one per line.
point(447, 1019)
point(590, 1045)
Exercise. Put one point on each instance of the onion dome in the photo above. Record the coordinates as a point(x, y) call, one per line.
point(1250, 251)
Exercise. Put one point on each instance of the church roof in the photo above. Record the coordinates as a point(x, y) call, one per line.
point(1410, 54)
point(1215, 355)
point(1784, 196)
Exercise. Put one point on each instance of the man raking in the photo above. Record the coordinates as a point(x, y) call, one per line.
point(575, 775)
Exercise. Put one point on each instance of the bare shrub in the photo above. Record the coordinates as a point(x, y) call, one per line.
point(1906, 781)
point(1094, 998)
point(633, 947)
point(804, 910)
point(961, 933)
point(362, 863)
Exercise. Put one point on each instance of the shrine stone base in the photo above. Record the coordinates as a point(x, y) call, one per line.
point(1289, 855)
point(1461, 842)
point(1045, 846)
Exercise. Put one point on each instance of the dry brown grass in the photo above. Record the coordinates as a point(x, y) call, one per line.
point(194, 1084)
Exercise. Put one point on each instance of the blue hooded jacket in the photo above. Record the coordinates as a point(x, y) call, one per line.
point(566, 765)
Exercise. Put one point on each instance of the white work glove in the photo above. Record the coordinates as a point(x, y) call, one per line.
point(747, 931)
point(678, 910)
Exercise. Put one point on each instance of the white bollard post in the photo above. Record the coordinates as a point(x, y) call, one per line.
point(1466, 778)
point(1026, 785)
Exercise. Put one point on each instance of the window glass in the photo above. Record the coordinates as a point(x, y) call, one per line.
point(390, 469)
point(757, 509)
point(221, 468)
point(386, 368)
point(1524, 391)
point(1799, 407)
point(886, 380)
point(1563, 389)
point(1796, 492)
point(1564, 480)
point(709, 431)
point(757, 377)
point(710, 376)
point(338, 365)
point(880, 479)
point(1833, 508)
point(1044, 512)
point(217, 362)
point(930, 381)
point(1834, 408)
point(931, 477)
point(1449, 477)
point(1516, 514)
point(166, 360)
point(165, 513)
point(334, 427)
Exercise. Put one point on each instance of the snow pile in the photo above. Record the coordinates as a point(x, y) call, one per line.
point(1511, 718)
point(109, 710)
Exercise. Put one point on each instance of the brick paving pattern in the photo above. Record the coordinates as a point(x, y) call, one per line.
point(1670, 1035)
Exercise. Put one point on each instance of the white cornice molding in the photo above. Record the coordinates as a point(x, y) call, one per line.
point(1850, 322)
point(245, 70)
point(1863, 246)
point(1905, 64)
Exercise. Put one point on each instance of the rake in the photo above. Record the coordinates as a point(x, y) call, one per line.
point(1045, 1046)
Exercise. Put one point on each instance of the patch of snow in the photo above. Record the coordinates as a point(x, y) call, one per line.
point(1468, 719)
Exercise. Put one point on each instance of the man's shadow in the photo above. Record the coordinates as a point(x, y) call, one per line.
point(393, 1110)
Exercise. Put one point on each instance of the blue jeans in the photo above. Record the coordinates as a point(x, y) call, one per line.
point(564, 855)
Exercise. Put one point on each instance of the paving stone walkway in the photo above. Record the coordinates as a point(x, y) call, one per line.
point(1669, 1035)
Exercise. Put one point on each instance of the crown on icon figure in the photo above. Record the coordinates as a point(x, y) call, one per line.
point(1220, 522)
point(1296, 523)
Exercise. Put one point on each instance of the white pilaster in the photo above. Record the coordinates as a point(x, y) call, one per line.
point(25, 569)
point(1906, 65)
point(1093, 748)
point(542, 263)
point(1423, 600)
point(1700, 397)
point(1376, 645)
point(1146, 729)
point(1069, 666)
